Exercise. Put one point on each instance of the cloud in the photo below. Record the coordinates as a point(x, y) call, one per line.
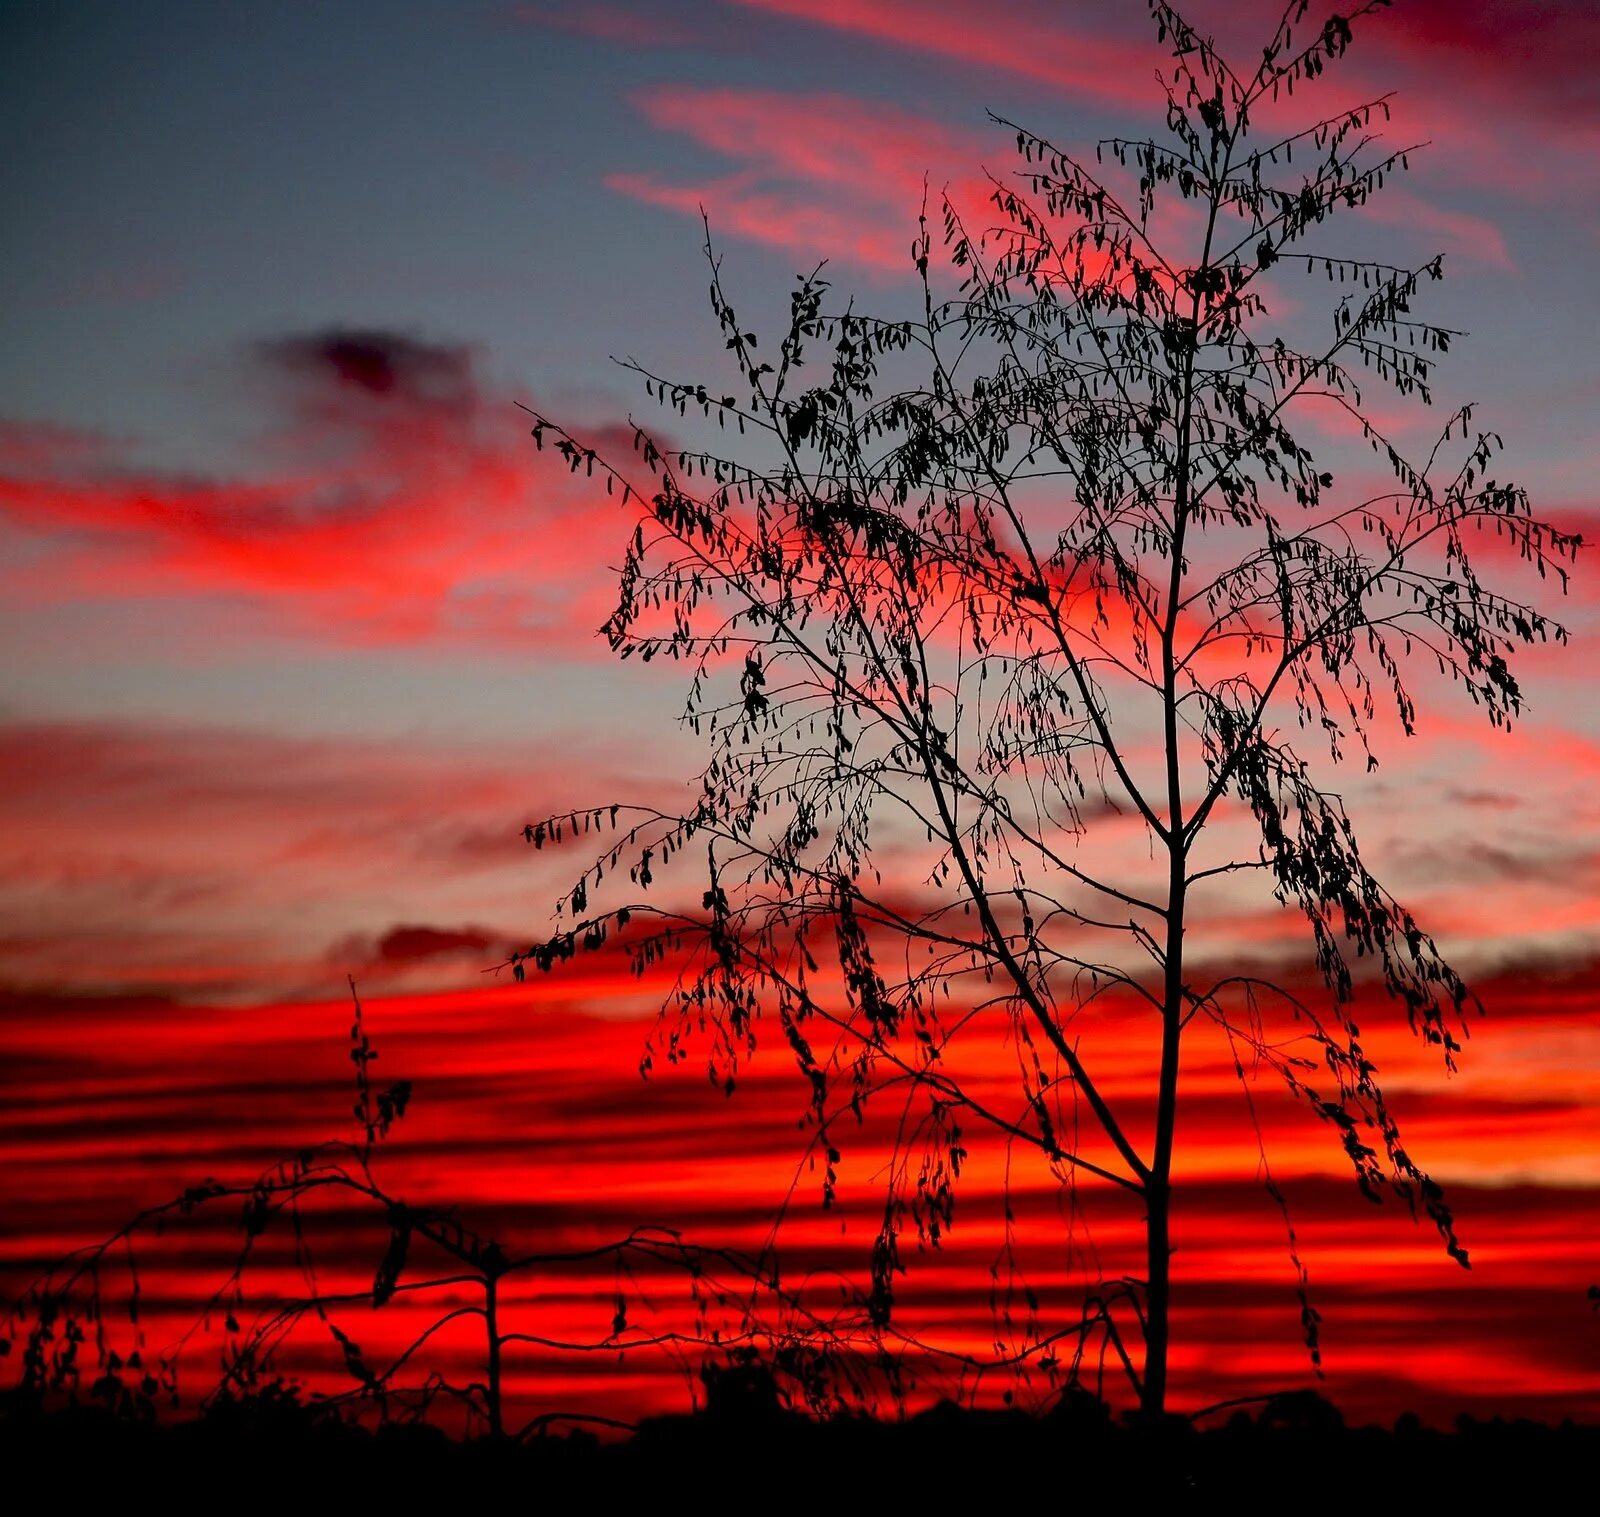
point(399, 502)
point(1504, 95)
point(1028, 41)
point(1492, 72)
point(373, 362)
point(411, 941)
point(827, 175)
point(1514, 57)
point(1457, 234)
point(821, 175)
point(419, 956)
point(198, 860)
point(1562, 866)
point(533, 1122)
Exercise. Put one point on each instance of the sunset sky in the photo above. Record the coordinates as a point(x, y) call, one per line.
point(300, 628)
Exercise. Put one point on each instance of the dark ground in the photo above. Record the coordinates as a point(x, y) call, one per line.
point(1296, 1454)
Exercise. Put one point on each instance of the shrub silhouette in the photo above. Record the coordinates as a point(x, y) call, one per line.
point(72, 1355)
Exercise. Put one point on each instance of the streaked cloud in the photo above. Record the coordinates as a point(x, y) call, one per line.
point(400, 503)
point(822, 176)
point(223, 862)
point(530, 1116)
point(1035, 41)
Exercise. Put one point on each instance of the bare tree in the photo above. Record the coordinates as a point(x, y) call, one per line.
point(1048, 551)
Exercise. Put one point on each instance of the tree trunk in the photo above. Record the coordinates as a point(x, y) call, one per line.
point(1158, 1187)
point(1157, 1302)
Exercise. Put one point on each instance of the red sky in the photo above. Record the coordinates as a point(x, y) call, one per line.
point(301, 632)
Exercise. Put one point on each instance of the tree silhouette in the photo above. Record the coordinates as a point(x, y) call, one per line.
point(985, 588)
point(456, 1278)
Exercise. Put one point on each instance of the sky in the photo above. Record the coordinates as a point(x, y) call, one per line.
point(300, 628)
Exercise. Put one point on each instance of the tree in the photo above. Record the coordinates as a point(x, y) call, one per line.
point(1049, 552)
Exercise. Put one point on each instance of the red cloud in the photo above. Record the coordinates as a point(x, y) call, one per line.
point(1505, 95)
point(826, 176)
point(379, 363)
point(225, 861)
point(1513, 57)
point(410, 941)
point(1516, 58)
point(831, 176)
point(1027, 40)
point(507, 1077)
point(400, 504)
